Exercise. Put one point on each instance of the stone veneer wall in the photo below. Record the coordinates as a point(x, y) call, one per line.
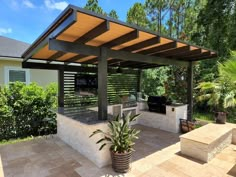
point(168, 122)
point(76, 134)
point(207, 141)
point(204, 152)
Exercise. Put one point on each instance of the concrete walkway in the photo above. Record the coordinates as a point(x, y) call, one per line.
point(157, 155)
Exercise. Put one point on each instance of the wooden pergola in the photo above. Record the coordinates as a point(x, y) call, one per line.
point(83, 37)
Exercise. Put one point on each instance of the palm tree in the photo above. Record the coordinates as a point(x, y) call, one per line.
point(220, 93)
point(227, 72)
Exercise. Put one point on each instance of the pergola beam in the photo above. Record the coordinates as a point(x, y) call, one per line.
point(72, 68)
point(75, 58)
point(91, 61)
point(189, 53)
point(204, 58)
point(122, 39)
point(95, 32)
point(153, 50)
point(204, 54)
point(127, 56)
point(173, 51)
point(71, 47)
point(118, 41)
point(138, 65)
point(142, 44)
point(55, 56)
point(114, 61)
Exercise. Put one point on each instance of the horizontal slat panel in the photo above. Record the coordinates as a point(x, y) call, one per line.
point(119, 85)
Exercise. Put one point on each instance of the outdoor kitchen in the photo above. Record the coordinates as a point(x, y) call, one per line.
point(99, 76)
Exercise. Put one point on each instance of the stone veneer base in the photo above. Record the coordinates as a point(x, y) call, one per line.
point(76, 134)
point(204, 143)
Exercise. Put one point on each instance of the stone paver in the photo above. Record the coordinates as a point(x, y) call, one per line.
point(157, 155)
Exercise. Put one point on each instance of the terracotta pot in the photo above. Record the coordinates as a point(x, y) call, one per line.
point(121, 161)
point(186, 126)
point(220, 117)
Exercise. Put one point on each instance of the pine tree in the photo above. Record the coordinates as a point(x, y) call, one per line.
point(92, 5)
point(136, 15)
point(113, 14)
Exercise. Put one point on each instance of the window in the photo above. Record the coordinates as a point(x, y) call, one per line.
point(13, 74)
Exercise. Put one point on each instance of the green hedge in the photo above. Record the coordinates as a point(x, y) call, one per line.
point(26, 110)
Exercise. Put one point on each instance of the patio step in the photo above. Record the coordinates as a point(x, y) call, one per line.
point(207, 141)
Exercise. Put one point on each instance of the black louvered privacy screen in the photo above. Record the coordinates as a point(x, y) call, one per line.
point(118, 85)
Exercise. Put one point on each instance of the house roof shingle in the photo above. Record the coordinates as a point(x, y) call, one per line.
point(11, 47)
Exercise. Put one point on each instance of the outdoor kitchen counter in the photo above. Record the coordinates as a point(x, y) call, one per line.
point(168, 122)
point(76, 133)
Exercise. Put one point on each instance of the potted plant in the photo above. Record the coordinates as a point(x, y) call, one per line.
point(120, 137)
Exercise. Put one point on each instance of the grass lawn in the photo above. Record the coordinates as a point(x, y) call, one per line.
point(12, 141)
point(209, 117)
point(203, 116)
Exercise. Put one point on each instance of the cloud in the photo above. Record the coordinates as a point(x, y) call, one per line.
point(5, 31)
point(51, 4)
point(28, 4)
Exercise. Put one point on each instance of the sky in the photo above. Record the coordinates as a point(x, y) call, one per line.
point(25, 20)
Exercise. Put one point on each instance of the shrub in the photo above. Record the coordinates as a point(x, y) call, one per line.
point(26, 110)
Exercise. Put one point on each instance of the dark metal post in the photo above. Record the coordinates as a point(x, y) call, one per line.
point(190, 91)
point(102, 85)
point(61, 87)
point(139, 80)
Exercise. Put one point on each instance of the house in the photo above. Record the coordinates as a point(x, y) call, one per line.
point(10, 65)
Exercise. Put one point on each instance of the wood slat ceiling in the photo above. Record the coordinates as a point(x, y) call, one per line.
point(98, 31)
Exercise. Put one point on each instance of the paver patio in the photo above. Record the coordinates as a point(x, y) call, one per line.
point(157, 155)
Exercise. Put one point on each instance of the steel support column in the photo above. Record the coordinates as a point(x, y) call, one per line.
point(102, 84)
point(61, 87)
point(139, 80)
point(190, 91)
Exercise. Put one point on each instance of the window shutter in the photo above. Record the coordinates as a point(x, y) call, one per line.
point(17, 75)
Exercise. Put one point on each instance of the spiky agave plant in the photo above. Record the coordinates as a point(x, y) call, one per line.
point(120, 136)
